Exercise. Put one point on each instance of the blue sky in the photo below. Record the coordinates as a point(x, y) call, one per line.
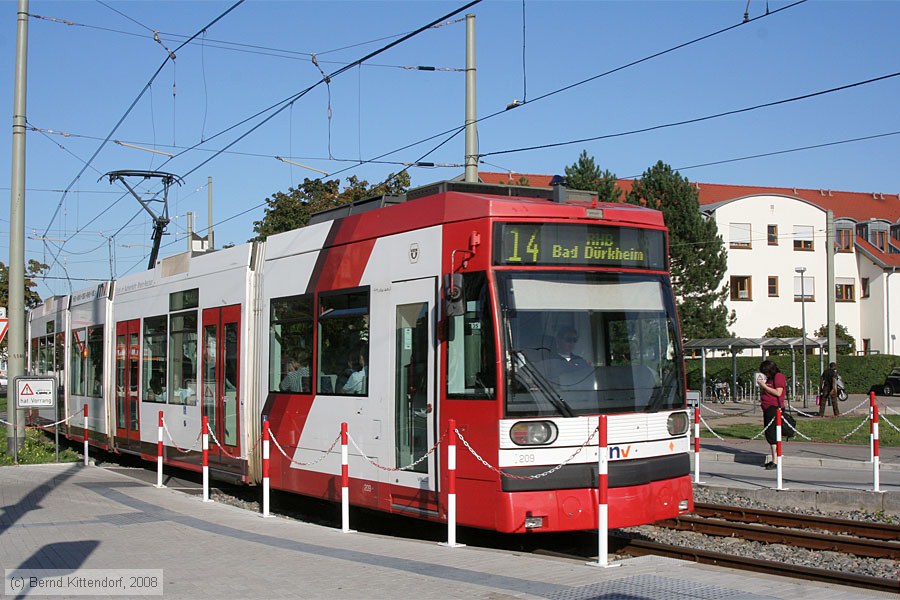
point(84, 76)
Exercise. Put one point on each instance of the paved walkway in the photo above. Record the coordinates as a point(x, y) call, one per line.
point(73, 517)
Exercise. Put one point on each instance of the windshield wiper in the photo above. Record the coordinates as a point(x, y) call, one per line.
point(534, 379)
point(661, 393)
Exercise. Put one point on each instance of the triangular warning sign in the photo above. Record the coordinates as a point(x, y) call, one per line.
point(26, 391)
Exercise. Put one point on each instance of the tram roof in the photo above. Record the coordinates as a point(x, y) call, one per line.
point(559, 194)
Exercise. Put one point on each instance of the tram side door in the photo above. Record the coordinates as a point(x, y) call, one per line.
point(221, 382)
point(412, 359)
point(128, 365)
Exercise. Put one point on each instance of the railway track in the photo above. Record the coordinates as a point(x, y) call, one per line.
point(804, 531)
point(635, 547)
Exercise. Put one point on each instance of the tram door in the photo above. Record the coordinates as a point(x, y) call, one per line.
point(221, 382)
point(412, 359)
point(128, 364)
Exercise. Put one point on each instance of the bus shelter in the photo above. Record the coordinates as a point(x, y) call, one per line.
point(764, 345)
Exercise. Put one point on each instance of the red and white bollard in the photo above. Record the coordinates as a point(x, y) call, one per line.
point(697, 444)
point(872, 407)
point(204, 444)
point(603, 497)
point(451, 486)
point(265, 468)
point(159, 453)
point(875, 460)
point(778, 464)
point(345, 482)
point(85, 434)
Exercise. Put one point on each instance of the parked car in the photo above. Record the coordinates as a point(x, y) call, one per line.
point(3, 385)
point(892, 382)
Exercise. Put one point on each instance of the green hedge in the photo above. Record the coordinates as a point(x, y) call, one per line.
point(861, 374)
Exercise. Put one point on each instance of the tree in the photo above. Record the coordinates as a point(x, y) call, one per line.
point(841, 333)
point(586, 175)
point(33, 270)
point(784, 331)
point(286, 211)
point(698, 260)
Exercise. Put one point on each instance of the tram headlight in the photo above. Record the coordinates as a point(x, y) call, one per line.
point(678, 423)
point(533, 433)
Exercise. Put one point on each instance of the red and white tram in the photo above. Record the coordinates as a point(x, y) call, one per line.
point(521, 313)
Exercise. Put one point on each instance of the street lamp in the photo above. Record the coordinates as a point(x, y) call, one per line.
point(802, 271)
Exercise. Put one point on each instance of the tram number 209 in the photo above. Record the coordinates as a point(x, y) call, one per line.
point(523, 459)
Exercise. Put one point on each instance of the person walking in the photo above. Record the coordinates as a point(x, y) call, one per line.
point(828, 390)
point(772, 391)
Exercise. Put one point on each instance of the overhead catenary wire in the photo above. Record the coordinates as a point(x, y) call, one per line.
point(128, 111)
point(718, 115)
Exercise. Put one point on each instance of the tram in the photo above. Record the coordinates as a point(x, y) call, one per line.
point(520, 313)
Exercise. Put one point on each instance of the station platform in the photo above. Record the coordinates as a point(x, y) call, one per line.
point(75, 518)
point(825, 476)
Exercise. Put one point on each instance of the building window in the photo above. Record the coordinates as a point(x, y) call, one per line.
point(803, 237)
point(773, 286)
point(739, 236)
point(804, 286)
point(740, 287)
point(772, 234)
point(843, 239)
point(844, 290)
point(881, 240)
point(864, 285)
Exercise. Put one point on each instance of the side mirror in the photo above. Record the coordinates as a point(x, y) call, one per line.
point(454, 296)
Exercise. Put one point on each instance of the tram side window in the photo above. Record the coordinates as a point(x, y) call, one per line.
point(344, 343)
point(154, 357)
point(290, 344)
point(78, 351)
point(183, 358)
point(86, 364)
point(471, 355)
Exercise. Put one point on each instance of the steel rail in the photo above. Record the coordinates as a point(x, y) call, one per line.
point(876, 531)
point(643, 548)
point(801, 538)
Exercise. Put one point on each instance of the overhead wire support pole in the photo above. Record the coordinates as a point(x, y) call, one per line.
point(16, 290)
point(471, 112)
point(159, 221)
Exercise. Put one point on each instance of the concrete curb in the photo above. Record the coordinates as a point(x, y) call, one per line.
point(824, 500)
point(793, 461)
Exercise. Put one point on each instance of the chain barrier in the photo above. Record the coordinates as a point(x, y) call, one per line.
point(77, 413)
point(524, 477)
point(297, 462)
point(407, 467)
point(886, 420)
point(174, 445)
point(794, 429)
point(222, 448)
point(889, 409)
point(755, 437)
point(738, 414)
point(800, 412)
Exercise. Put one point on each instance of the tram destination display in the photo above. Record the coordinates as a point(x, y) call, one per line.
point(565, 244)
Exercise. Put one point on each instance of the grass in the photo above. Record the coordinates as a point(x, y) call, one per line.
point(818, 430)
point(38, 448)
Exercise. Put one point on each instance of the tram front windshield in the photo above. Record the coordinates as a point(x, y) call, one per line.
point(589, 343)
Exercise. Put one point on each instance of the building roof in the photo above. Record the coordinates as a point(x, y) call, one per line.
point(859, 206)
